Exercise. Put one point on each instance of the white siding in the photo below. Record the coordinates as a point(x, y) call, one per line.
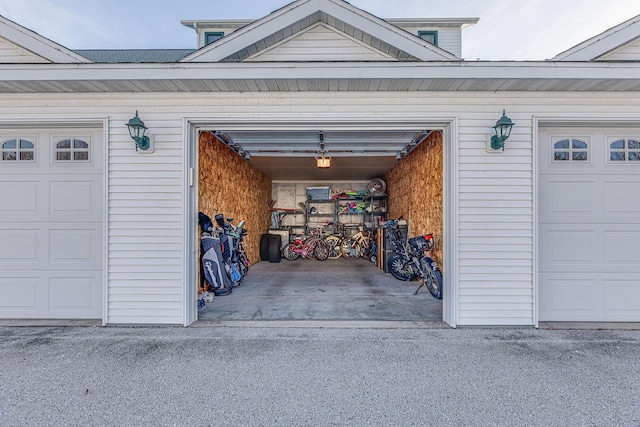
point(11, 53)
point(495, 224)
point(495, 192)
point(321, 43)
point(628, 52)
point(145, 224)
point(450, 40)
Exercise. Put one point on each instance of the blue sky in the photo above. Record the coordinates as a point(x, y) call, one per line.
point(508, 29)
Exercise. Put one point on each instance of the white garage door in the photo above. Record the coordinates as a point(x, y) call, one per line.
point(589, 224)
point(51, 224)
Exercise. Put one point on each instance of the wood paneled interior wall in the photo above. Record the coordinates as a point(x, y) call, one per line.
point(415, 188)
point(231, 186)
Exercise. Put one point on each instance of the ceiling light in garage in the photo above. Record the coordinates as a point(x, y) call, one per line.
point(323, 162)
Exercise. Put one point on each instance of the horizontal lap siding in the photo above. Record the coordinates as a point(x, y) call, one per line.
point(496, 214)
point(145, 238)
point(630, 52)
point(321, 44)
point(450, 40)
point(14, 54)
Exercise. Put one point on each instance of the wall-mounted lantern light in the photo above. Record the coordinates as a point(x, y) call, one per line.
point(503, 131)
point(137, 130)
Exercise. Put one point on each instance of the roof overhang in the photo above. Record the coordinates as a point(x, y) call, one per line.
point(439, 22)
point(38, 45)
point(600, 45)
point(308, 77)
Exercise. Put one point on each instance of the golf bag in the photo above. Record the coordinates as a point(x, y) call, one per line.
point(213, 264)
point(229, 247)
point(213, 269)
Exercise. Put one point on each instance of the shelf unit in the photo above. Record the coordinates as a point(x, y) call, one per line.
point(376, 211)
point(326, 212)
point(351, 211)
point(373, 210)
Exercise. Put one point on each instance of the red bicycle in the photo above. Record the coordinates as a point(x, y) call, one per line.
point(312, 247)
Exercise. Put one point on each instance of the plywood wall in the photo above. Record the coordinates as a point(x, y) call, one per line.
point(231, 186)
point(415, 190)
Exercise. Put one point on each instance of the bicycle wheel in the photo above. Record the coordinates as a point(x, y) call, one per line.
point(335, 248)
point(289, 253)
point(433, 279)
point(243, 267)
point(309, 245)
point(400, 269)
point(321, 250)
point(351, 249)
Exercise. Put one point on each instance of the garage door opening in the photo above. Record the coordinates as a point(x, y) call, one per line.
point(272, 180)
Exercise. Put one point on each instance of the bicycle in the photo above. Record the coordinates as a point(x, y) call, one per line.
point(360, 245)
point(311, 247)
point(335, 241)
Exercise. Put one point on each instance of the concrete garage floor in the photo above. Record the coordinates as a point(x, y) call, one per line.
point(324, 293)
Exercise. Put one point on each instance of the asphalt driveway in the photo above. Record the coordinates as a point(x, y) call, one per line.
point(94, 376)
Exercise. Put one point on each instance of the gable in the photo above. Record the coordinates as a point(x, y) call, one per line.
point(21, 45)
point(627, 52)
point(321, 43)
point(11, 53)
point(299, 16)
point(621, 39)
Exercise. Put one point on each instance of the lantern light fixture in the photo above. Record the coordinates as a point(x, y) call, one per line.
point(503, 131)
point(136, 131)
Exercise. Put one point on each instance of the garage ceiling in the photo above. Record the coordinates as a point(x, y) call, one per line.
point(291, 155)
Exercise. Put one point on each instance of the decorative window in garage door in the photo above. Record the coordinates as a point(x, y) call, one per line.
point(18, 150)
point(571, 150)
point(624, 150)
point(72, 150)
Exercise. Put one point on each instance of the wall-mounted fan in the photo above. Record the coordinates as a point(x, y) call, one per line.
point(376, 187)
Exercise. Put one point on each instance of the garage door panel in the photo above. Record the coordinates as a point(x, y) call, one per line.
point(562, 201)
point(621, 247)
point(568, 249)
point(18, 293)
point(19, 198)
point(574, 247)
point(622, 297)
point(622, 198)
point(74, 294)
point(80, 246)
point(570, 197)
point(568, 295)
point(18, 245)
point(74, 197)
